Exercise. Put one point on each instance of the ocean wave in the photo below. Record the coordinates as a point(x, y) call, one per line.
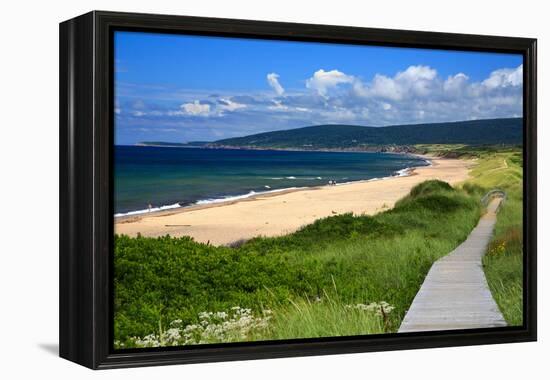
point(403, 172)
point(293, 177)
point(251, 193)
point(226, 199)
point(148, 210)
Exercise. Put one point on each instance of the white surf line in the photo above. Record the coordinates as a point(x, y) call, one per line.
point(455, 294)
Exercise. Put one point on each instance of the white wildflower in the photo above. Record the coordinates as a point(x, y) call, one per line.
point(235, 325)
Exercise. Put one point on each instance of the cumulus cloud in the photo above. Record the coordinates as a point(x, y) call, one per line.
point(196, 108)
point(322, 80)
point(414, 81)
point(416, 73)
point(273, 80)
point(456, 83)
point(504, 78)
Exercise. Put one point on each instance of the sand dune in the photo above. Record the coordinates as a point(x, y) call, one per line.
point(282, 213)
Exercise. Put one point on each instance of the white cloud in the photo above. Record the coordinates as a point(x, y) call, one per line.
point(505, 78)
point(386, 106)
point(229, 105)
point(416, 73)
point(196, 108)
point(273, 80)
point(383, 87)
point(278, 106)
point(455, 83)
point(414, 81)
point(323, 80)
point(207, 108)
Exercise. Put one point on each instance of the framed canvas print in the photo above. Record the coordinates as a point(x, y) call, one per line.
point(236, 189)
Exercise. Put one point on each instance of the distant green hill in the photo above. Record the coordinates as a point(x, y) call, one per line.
point(476, 132)
point(191, 144)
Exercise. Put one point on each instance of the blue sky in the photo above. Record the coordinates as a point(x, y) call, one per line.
point(187, 88)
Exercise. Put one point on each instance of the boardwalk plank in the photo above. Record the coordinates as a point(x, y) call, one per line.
point(455, 294)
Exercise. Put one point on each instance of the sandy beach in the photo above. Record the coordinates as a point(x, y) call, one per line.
point(285, 212)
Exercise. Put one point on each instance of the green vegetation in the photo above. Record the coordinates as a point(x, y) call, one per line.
point(495, 131)
point(342, 275)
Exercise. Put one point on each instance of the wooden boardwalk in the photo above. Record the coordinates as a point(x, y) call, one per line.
point(455, 294)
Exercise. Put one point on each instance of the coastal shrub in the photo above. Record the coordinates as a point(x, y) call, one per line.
point(435, 195)
point(430, 187)
point(175, 278)
point(323, 231)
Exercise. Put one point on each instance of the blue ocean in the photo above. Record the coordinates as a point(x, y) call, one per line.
point(155, 178)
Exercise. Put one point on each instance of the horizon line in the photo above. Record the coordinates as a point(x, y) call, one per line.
point(330, 124)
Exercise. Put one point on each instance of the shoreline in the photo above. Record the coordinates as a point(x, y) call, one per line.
point(176, 207)
point(283, 212)
point(397, 149)
point(195, 206)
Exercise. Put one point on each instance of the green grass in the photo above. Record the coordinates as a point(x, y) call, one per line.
point(304, 318)
point(305, 278)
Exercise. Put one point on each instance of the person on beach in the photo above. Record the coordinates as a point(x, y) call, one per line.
point(149, 207)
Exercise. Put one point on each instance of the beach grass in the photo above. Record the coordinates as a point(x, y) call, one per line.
point(306, 318)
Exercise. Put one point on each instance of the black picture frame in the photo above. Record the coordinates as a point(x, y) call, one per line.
point(86, 184)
